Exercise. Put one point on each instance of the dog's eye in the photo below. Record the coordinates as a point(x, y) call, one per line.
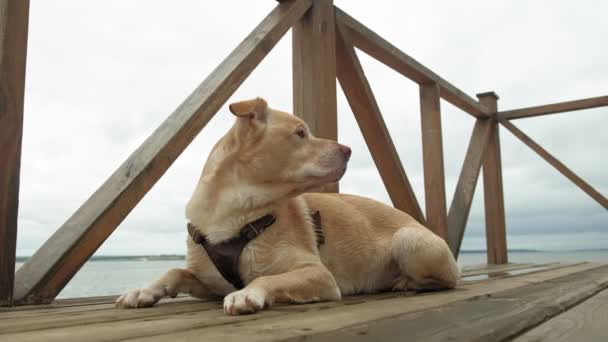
point(301, 133)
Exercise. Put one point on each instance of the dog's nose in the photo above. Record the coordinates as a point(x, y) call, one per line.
point(346, 151)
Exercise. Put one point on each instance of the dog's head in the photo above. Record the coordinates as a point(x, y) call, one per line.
point(276, 150)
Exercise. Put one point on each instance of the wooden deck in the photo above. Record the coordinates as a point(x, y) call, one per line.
point(529, 302)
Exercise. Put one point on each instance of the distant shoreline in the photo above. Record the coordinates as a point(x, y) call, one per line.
point(168, 257)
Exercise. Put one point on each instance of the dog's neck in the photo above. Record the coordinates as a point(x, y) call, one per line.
point(223, 203)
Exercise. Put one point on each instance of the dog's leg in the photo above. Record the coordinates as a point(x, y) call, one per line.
point(169, 285)
point(303, 285)
point(424, 259)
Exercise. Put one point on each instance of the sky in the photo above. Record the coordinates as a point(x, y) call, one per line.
point(102, 75)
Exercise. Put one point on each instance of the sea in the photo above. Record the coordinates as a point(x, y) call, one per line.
point(111, 275)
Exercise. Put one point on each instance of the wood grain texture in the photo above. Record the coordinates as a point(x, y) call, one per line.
point(432, 157)
point(554, 108)
point(195, 320)
point(458, 214)
point(585, 322)
point(309, 324)
point(498, 317)
point(377, 47)
point(314, 72)
point(558, 165)
point(363, 104)
point(496, 236)
point(14, 17)
point(54, 264)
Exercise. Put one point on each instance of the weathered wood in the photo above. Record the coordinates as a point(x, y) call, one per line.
point(363, 104)
point(206, 321)
point(314, 72)
point(559, 166)
point(432, 156)
point(309, 324)
point(47, 271)
point(585, 322)
point(14, 16)
point(467, 181)
point(555, 108)
point(496, 236)
point(377, 47)
point(497, 318)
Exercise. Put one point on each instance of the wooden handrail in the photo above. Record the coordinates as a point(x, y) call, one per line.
point(41, 278)
point(363, 104)
point(377, 47)
point(554, 108)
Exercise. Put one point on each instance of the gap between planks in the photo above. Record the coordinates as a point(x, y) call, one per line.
point(215, 324)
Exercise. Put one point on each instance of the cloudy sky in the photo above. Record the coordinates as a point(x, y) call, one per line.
point(102, 75)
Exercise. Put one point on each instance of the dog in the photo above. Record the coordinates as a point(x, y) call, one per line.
point(310, 246)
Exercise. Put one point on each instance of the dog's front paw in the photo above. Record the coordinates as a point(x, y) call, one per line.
point(246, 301)
point(140, 298)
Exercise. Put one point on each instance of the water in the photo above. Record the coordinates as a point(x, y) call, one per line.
point(110, 277)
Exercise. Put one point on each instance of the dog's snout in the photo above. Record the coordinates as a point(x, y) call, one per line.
point(346, 151)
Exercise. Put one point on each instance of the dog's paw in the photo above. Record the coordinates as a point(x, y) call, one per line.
point(246, 301)
point(140, 298)
point(404, 284)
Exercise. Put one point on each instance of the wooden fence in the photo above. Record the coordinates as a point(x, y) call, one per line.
point(324, 42)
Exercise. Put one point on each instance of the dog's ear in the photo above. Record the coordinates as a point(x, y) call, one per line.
point(250, 109)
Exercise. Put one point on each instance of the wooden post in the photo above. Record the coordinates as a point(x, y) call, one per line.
point(432, 153)
point(14, 16)
point(314, 72)
point(496, 238)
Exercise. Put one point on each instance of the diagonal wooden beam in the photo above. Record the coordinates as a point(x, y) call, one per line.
point(377, 47)
point(363, 104)
point(563, 169)
point(41, 278)
point(465, 188)
point(14, 17)
point(554, 108)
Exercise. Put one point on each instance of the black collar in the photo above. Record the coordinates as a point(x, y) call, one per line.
point(225, 255)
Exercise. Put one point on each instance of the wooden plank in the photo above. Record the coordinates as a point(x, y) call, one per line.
point(69, 318)
point(377, 47)
point(14, 16)
point(432, 156)
point(558, 165)
point(314, 72)
point(496, 236)
point(467, 181)
point(109, 324)
point(46, 272)
point(516, 272)
point(584, 322)
point(497, 318)
point(363, 104)
point(554, 108)
point(302, 325)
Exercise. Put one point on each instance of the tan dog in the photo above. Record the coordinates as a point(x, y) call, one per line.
point(265, 164)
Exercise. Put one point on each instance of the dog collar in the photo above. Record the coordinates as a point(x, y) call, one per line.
point(225, 255)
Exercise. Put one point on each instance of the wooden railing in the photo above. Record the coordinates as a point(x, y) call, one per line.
point(324, 42)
